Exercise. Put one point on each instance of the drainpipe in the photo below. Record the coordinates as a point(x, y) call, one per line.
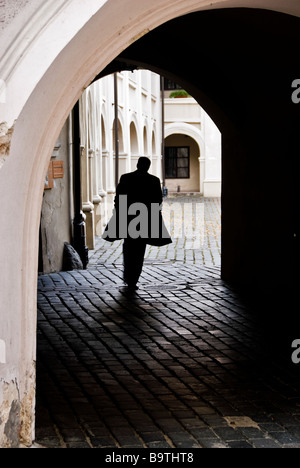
point(162, 86)
point(116, 98)
point(79, 236)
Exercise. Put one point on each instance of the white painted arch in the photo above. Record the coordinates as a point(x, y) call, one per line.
point(51, 52)
point(183, 128)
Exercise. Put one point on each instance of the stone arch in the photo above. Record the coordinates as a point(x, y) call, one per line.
point(121, 135)
point(154, 140)
point(186, 129)
point(134, 139)
point(104, 143)
point(181, 128)
point(145, 139)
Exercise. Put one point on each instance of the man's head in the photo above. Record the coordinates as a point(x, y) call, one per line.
point(144, 164)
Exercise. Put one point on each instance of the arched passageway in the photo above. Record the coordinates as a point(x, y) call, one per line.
point(245, 87)
point(181, 341)
point(240, 84)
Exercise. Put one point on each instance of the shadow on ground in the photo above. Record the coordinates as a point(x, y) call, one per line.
point(184, 363)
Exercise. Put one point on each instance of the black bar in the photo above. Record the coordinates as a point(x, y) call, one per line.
point(162, 86)
point(184, 457)
point(79, 234)
point(116, 98)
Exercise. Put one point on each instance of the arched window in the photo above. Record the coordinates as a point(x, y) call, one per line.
point(153, 144)
point(145, 138)
point(103, 134)
point(134, 144)
point(121, 141)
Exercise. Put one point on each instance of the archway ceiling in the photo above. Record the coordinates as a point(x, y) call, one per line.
point(232, 61)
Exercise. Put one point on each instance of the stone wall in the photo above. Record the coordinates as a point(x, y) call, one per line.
point(9, 9)
point(56, 215)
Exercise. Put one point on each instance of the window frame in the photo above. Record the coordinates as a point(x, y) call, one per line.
point(188, 157)
point(170, 85)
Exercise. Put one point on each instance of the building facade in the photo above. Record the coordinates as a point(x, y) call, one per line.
point(193, 146)
point(139, 100)
point(139, 134)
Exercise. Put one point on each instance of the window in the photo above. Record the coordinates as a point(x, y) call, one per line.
point(170, 85)
point(177, 162)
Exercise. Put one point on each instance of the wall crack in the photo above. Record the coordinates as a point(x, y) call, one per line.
point(5, 141)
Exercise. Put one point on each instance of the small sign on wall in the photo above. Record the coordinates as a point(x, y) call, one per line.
point(55, 171)
point(58, 169)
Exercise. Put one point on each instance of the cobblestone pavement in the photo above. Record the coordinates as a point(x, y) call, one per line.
point(197, 242)
point(186, 362)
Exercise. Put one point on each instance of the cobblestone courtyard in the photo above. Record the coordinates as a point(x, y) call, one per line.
point(186, 362)
point(195, 225)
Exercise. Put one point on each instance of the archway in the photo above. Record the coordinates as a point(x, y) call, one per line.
point(182, 164)
point(145, 141)
point(47, 99)
point(240, 120)
point(134, 143)
point(121, 140)
point(195, 135)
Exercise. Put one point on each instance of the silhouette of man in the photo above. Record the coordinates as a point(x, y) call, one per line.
point(143, 195)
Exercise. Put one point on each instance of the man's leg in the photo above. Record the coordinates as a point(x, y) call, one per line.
point(133, 255)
